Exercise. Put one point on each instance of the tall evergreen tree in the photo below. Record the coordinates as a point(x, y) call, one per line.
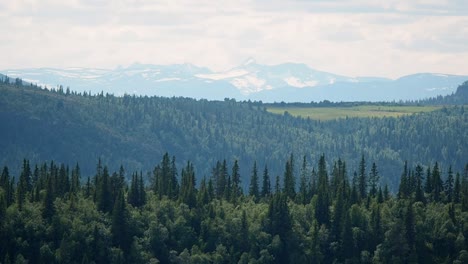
point(48, 205)
point(76, 179)
point(104, 198)
point(404, 188)
point(428, 184)
point(24, 184)
point(457, 189)
point(419, 195)
point(266, 186)
point(303, 196)
point(236, 190)
point(289, 181)
point(120, 228)
point(6, 184)
point(253, 188)
point(187, 186)
point(362, 180)
point(437, 183)
point(449, 186)
point(322, 213)
point(373, 179)
point(173, 184)
point(338, 215)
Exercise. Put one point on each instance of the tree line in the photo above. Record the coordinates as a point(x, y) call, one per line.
point(317, 213)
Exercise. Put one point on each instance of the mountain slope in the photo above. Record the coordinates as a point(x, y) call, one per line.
point(136, 131)
point(288, 82)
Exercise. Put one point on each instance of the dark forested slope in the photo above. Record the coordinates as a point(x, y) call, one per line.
point(135, 131)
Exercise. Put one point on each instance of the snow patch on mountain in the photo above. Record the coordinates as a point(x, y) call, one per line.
point(296, 82)
point(223, 75)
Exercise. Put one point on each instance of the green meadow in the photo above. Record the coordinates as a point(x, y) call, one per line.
point(330, 113)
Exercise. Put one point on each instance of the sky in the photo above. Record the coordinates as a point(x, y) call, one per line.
point(389, 38)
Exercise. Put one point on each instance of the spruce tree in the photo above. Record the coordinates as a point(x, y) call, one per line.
point(373, 179)
point(362, 180)
point(120, 228)
point(303, 185)
point(104, 198)
point(187, 186)
point(76, 178)
point(449, 186)
point(289, 181)
point(457, 189)
point(437, 183)
point(266, 186)
point(236, 190)
point(322, 213)
point(419, 195)
point(48, 206)
point(253, 188)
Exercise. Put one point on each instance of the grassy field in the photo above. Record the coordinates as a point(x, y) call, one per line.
point(329, 113)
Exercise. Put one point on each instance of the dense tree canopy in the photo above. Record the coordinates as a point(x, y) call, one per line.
point(133, 131)
point(56, 223)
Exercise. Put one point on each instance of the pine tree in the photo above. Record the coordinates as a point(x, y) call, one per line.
point(253, 188)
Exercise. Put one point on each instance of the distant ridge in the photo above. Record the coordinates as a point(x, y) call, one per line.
point(288, 82)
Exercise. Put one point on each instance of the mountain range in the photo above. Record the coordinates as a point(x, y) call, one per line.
point(288, 82)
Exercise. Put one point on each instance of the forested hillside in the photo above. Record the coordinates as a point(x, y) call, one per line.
point(49, 216)
point(134, 131)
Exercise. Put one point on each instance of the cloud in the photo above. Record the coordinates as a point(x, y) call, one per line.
point(363, 37)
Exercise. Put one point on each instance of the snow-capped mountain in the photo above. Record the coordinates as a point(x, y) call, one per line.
point(251, 77)
point(284, 82)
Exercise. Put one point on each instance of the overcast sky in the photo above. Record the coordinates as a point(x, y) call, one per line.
point(388, 38)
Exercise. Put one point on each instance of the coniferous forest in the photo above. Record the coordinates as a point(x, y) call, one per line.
point(69, 127)
point(50, 214)
point(106, 179)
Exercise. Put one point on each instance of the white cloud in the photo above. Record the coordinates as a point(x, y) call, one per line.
point(387, 38)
